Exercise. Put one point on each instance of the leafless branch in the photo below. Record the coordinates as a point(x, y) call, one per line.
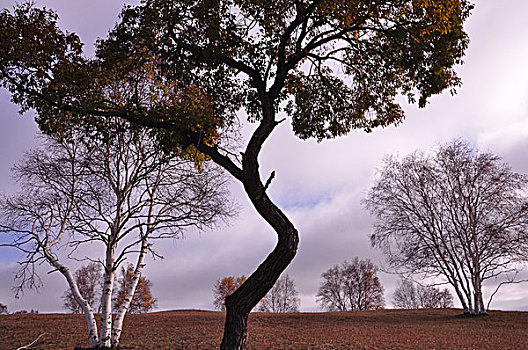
point(33, 342)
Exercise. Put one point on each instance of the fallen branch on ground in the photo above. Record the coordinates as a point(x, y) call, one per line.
point(33, 342)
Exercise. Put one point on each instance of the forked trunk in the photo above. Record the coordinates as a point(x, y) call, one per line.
point(93, 339)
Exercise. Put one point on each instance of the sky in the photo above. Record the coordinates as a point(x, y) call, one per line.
point(318, 185)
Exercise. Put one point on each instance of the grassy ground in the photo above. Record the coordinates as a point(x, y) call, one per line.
point(384, 329)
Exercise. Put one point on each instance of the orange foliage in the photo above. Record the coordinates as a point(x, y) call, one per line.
point(143, 301)
point(224, 287)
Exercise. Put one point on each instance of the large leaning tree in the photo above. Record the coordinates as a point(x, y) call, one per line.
point(105, 201)
point(455, 213)
point(328, 66)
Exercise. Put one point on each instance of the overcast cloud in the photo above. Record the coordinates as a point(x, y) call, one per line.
point(319, 185)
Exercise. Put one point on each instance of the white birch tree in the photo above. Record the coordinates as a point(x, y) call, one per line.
point(456, 213)
point(119, 192)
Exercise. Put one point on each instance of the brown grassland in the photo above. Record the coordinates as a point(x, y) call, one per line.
point(384, 329)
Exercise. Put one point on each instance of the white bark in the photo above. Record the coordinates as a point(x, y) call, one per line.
point(106, 298)
point(120, 317)
point(119, 183)
point(93, 340)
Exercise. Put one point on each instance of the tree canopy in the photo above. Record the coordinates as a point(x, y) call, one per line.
point(338, 65)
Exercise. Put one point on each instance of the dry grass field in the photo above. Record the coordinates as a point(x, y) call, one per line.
point(384, 329)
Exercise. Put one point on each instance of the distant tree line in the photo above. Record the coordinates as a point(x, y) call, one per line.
point(408, 295)
point(351, 286)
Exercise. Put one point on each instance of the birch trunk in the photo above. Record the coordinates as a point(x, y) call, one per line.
point(461, 298)
point(469, 299)
point(93, 340)
point(123, 309)
point(479, 302)
point(106, 299)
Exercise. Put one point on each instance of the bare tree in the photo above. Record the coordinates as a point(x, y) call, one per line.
point(411, 296)
point(352, 286)
point(119, 191)
point(3, 309)
point(223, 288)
point(430, 297)
point(283, 297)
point(142, 300)
point(456, 213)
point(405, 296)
point(88, 279)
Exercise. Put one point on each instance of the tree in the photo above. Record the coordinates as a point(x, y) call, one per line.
point(283, 297)
point(330, 66)
point(405, 295)
point(455, 213)
point(3, 309)
point(88, 279)
point(350, 287)
point(225, 287)
point(142, 301)
point(434, 298)
point(409, 296)
point(120, 192)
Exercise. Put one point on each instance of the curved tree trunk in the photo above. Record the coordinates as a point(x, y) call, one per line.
point(241, 302)
point(246, 297)
point(93, 339)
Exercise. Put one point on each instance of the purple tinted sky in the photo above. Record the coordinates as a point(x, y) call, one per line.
point(318, 185)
